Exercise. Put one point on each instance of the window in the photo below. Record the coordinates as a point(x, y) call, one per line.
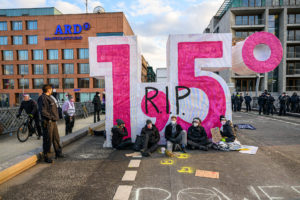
point(18, 40)
point(8, 84)
point(251, 3)
point(8, 69)
point(297, 19)
point(83, 83)
point(251, 20)
point(245, 20)
point(32, 39)
point(293, 84)
point(68, 68)
point(53, 69)
point(3, 26)
point(68, 83)
point(54, 82)
point(238, 20)
point(3, 40)
point(23, 83)
point(52, 54)
point(8, 55)
point(83, 68)
point(243, 34)
point(86, 97)
point(99, 83)
point(22, 55)
point(23, 69)
point(83, 53)
point(248, 20)
point(291, 19)
point(37, 55)
point(16, 25)
point(38, 69)
point(293, 68)
point(242, 85)
point(31, 25)
point(258, 3)
point(68, 54)
point(293, 35)
point(245, 3)
point(38, 83)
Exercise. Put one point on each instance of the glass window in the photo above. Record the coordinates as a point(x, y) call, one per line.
point(8, 55)
point(23, 55)
point(23, 82)
point(238, 20)
point(32, 39)
point(86, 97)
point(68, 54)
point(23, 69)
point(99, 83)
point(17, 40)
point(297, 51)
point(3, 26)
point(251, 20)
point(83, 83)
point(52, 54)
point(54, 82)
point(31, 25)
point(291, 19)
point(53, 69)
point(38, 69)
point(251, 3)
point(258, 3)
point(68, 68)
point(83, 53)
point(38, 83)
point(245, 3)
point(238, 84)
point(238, 34)
point(290, 51)
point(244, 34)
point(8, 69)
point(3, 40)
point(16, 25)
point(298, 19)
point(245, 20)
point(297, 35)
point(83, 68)
point(297, 68)
point(258, 20)
point(37, 55)
point(68, 83)
point(8, 84)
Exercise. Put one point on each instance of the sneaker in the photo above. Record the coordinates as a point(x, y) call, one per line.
point(48, 160)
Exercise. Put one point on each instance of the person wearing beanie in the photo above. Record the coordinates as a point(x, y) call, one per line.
point(97, 106)
point(68, 110)
point(119, 131)
point(197, 137)
point(226, 130)
point(151, 138)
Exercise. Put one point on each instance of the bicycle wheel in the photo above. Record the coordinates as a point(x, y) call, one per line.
point(23, 133)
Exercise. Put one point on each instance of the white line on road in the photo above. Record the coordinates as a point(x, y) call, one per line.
point(274, 119)
point(123, 192)
point(134, 163)
point(129, 176)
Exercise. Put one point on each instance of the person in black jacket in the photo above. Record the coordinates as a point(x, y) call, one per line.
point(261, 103)
point(269, 104)
point(174, 134)
point(31, 109)
point(248, 100)
point(97, 106)
point(197, 137)
point(233, 106)
point(227, 129)
point(237, 102)
point(151, 138)
point(49, 114)
point(118, 133)
point(282, 101)
point(294, 102)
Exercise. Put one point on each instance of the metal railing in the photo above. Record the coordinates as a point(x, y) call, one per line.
point(9, 122)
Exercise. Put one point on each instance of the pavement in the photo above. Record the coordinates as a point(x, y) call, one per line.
point(10, 147)
point(91, 172)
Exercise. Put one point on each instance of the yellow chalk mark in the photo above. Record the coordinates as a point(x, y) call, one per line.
point(183, 156)
point(167, 162)
point(186, 170)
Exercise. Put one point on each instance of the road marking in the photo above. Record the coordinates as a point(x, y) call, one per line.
point(134, 163)
point(137, 193)
point(123, 192)
point(274, 119)
point(254, 192)
point(271, 198)
point(129, 176)
point(226, 197)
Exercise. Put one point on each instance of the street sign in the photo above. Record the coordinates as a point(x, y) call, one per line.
point(76, 90)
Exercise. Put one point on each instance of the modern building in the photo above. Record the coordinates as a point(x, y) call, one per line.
point(42, 45)
point(280, 17)
point(161, 75)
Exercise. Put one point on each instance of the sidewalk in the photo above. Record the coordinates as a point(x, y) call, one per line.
point(10, 146)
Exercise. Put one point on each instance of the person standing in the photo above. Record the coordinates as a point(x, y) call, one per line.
point(68, 109)
point(49, 115)
point(31, 109)
point(282, 101)
point(269, 104)
point(294, 102)
point(248, 100)
point(261, 103)
point(233, 107)
point(241, 101)
point(237, 102)
point(97, 106)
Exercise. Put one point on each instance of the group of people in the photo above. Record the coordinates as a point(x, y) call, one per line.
point(237, 101)
point(194, 138)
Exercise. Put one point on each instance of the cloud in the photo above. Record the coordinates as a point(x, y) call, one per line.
point(68, 8)
point(22, 3)
point(153, 7)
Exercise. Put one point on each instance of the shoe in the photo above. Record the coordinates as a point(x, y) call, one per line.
point(60, 156)
point(146, 154)
point(183, 150)
point(48, 160)
point(169, 154)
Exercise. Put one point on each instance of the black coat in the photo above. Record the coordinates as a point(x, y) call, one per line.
point(248, 99)
point(97, 103)
point(283, 100)
point(270, 100)
point(295, 99)
point(262, 100)
point(168, 131)
point(153, 133)
point(117, 135)
point(197, 134)
point(30, 107)
point(47, 108)
point(228, 131)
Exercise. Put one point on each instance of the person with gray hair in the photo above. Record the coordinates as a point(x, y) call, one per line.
point(68, 110)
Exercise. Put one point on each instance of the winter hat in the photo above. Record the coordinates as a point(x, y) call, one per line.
point(148, 121)
point(222, 118)
point(120, 122)
point(97, 93)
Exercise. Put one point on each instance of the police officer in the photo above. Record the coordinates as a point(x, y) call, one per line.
point(237, 102)
point(294, 102)
point(282, 101)
point(31, 109)
point(97, 106)
point(241, 101)
point(261, 103)
point(68, 109)
point(233, 107)
point(248, 100)
point(269, 103)
point(49, 115)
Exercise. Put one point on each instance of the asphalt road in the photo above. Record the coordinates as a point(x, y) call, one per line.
point(90, 172)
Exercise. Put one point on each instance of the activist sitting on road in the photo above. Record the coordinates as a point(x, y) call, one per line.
point(175, 135)
point(226, 130)
point(197, 137)
point(151, 138)
point(119, 131)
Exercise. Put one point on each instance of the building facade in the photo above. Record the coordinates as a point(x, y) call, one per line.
point(151, 76)
point(280, 17)
point(42, 45)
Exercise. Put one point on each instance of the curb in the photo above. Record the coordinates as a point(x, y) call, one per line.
point(276, 112)
point(21, 163)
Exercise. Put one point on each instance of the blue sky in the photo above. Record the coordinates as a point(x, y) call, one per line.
point(151, 20)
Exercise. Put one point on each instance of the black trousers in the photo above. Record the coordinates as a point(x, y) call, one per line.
point(69, 124)
point(270, 109)
point(282, 110)
point(148, 145)
point(51, 136)
point(97, 114)
point(200, 145)
point(248, 107)
point(261, 108)
point(125, 144)
point(37, 124)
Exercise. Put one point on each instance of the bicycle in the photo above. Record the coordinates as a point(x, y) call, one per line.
point(26, 130)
